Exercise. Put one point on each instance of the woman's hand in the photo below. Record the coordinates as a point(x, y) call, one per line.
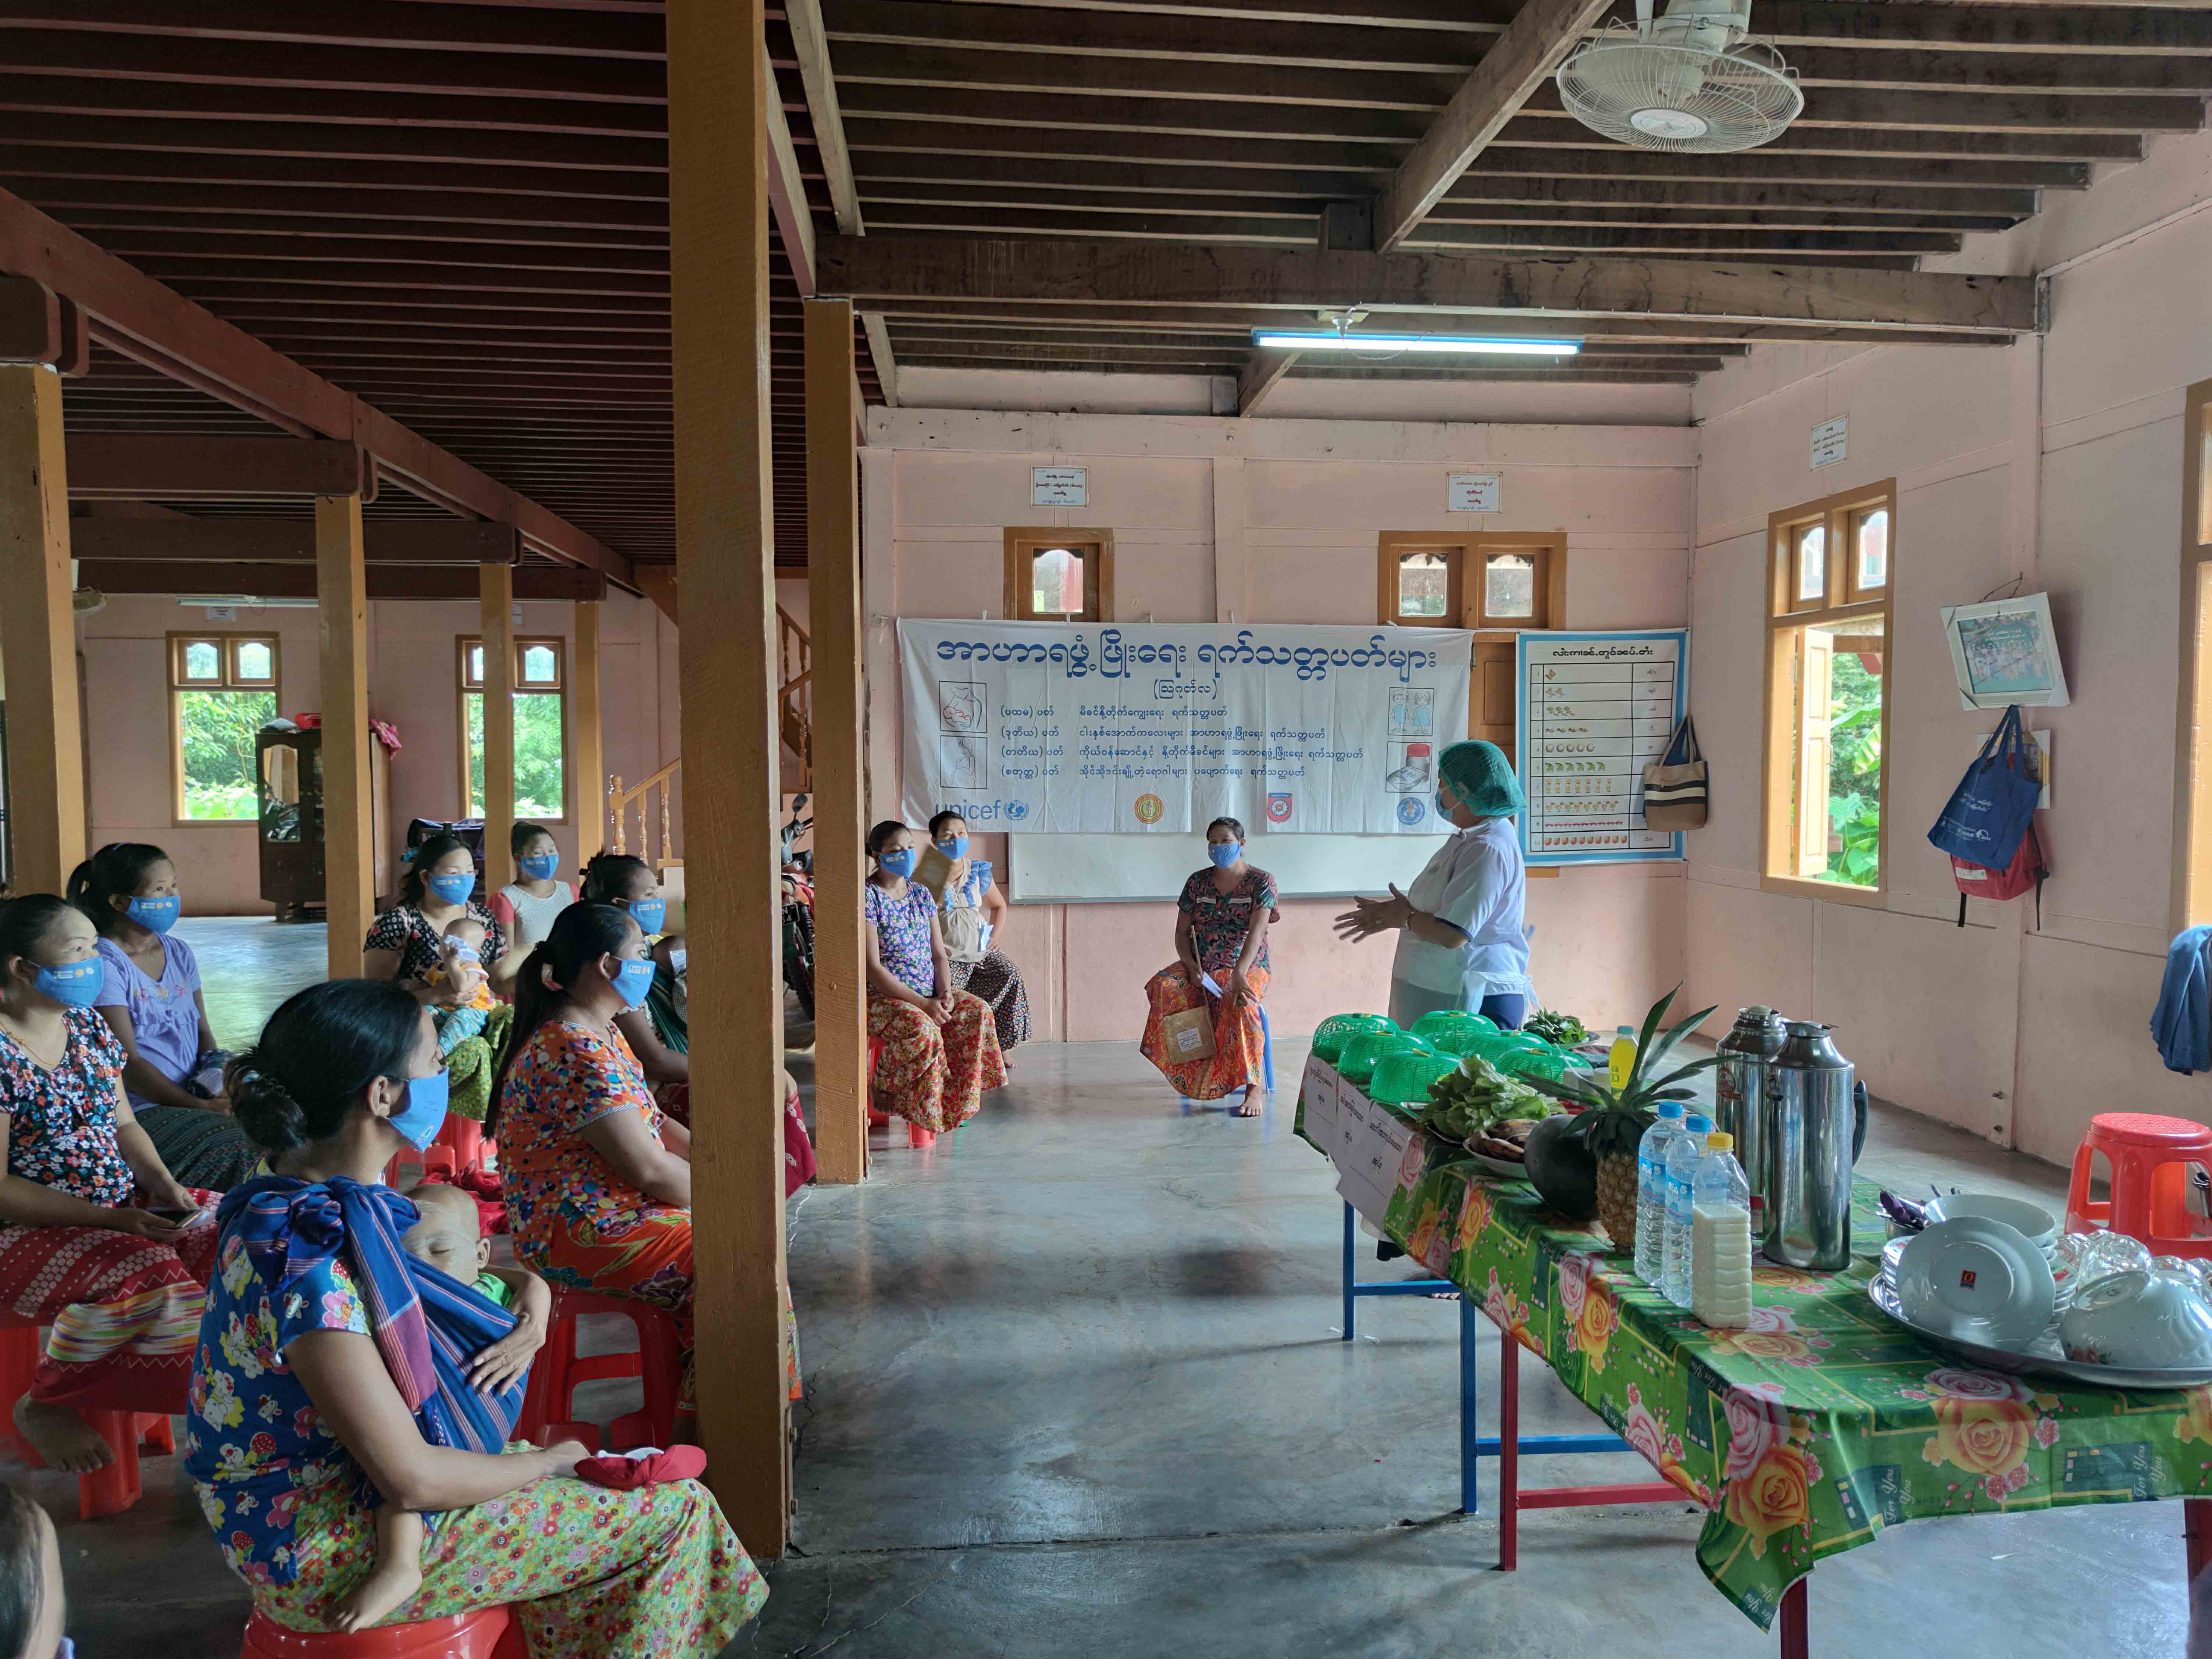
point(561, 1457)
point(939, 1007)
point(507, 1359)
point(215, 1103)
point(144, 1224)
point(1372, 916)
point(1239, 988)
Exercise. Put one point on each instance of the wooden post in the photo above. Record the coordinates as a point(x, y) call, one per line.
point(833, 576)
point(589, 789)
point(719, 292)
point(348, 848)
point(38, 636)
point(497, 594)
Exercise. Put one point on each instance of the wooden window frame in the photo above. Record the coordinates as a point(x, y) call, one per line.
point(229, 640)
point(2191, 885)
point(1786, 615)
point(559, 688)
point(1023, 542)
point(1465, 552)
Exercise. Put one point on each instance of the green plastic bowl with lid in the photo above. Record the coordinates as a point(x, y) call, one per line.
point(1449, 1030)
point(1356, 1065)
point(1546, 1062)
point(1405, 1079)
point(1331, 1036)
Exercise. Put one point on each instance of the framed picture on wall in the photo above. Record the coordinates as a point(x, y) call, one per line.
point(2004, 652)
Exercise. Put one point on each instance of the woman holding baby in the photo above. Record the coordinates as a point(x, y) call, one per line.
point(409, 943)
point(340, 1373)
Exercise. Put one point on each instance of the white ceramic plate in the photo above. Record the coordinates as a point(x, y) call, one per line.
point(1497, 1166)
point(1980, 1279)
point(2034, 1222)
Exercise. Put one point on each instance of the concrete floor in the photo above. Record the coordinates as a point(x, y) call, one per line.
point(1075, 1386)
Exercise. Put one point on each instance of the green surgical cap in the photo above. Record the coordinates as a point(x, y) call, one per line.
point(1481, 776)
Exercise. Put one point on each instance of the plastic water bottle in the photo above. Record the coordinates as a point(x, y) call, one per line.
point(1720, 1238)
point(1681, 1169)
point(1652, 1191)
point(1620, 1059)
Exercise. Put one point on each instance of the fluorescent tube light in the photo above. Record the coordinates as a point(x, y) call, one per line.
point(1466, 345)
point(258, 602)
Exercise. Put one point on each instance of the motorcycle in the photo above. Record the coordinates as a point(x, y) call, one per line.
point(798, 910)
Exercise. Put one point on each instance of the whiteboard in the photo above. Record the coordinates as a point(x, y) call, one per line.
point(1104, 869)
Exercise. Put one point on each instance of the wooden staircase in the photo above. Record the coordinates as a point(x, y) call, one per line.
point(647, 801)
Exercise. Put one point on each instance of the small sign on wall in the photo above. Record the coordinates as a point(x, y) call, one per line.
point(222, 613)
point(1828, 441)
point(1059, 486)
point(1475, 492)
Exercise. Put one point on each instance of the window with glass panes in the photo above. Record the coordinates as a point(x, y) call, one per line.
point(1060, 576)
point(1827, 709)
point(1498, 583)
point(541, 757)
point(222, 689)
point(2191, 903)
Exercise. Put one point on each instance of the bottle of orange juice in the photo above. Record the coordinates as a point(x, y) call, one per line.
point(1621, 1059)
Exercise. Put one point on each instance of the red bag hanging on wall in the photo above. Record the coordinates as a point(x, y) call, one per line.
point(2027, 869)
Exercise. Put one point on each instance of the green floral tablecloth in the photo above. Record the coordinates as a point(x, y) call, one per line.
point(1807, 1434)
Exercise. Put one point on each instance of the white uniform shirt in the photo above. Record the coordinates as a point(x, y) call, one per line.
point(1477, 882)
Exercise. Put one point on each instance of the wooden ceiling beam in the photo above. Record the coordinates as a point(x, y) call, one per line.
point(94, 95)
point(551, 31)
point(398, 180)
point(439, 540)
point(305, 140)
point(296, 581)
point(174, 204)
point(824, 116)
point(174, 468)
point(1171, 274)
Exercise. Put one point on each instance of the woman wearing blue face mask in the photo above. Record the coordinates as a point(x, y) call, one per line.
point(149, 995)
point(627, 882)
point(97, 1239)
point(1221, 935)
point(975, 914)
point(527, 906)
point(337, 1374)
point(405, 944)
point(940, 1047)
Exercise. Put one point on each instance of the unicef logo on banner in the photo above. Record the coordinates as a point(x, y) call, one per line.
point(1018, 809)
point(1412, 809)
point(1278, 809)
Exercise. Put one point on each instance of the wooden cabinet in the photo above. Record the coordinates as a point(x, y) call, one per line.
point(289, 830)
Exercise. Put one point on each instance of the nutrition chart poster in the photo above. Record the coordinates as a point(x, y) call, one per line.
point(1593, 709)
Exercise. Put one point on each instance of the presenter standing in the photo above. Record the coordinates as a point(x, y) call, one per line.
point(1221, 939)
point(1462, 944)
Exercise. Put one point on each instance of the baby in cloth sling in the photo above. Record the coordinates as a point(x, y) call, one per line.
point(433, 1329)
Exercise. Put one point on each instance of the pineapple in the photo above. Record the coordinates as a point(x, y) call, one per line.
point(1614, 1120)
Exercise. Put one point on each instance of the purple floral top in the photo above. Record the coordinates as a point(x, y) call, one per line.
point(902, 935)
point(61, 1124)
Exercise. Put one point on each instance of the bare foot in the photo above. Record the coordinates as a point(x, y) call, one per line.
point(62, 1438)
point(1249, 1106)
point(390, 1586)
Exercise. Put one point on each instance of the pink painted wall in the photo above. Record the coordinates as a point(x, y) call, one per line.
point(410, 685)
point(2058, 461)
point(1276, 520)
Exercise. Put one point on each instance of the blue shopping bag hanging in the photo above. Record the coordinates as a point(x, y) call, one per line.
point(1990, 810)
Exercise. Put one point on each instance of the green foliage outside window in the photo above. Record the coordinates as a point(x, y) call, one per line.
point(1855, 773)
point(539, 763)
point(217, 729)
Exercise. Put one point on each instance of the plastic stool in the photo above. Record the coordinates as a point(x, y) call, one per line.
point(411, 1167)
point(2151, 1158)
point(487, 1634)
point(465, 1138)
point(551, 1400)
point(104, 1492)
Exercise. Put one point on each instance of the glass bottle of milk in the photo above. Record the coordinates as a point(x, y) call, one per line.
point(1720, 1238)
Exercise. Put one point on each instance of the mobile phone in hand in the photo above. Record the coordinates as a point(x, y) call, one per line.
point(174, 1216)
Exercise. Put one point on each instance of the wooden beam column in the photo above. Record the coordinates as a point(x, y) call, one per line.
point(496, 604)
point(349, 845)
point(833, 581)
point(38, 635)
point(590, 786)
point(718, 295)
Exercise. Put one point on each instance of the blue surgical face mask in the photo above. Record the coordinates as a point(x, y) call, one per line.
point(423, 1114)
point(158, 913)
point(538, 866)
point(897, 863)
point(1225, 853)
point(73, 984)
point(648, 914)
point(954, 848)
point(452, 889)
point(633, 978)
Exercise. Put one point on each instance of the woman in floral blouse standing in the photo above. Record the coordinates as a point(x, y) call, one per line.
point(1220, 937)
point(96, 1238)
point(941, 1046)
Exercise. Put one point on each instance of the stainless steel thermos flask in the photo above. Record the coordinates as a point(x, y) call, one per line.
point(1741, 1106)
point(1811, 1122)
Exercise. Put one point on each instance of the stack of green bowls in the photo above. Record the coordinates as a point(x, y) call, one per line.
point(1356, 1065)
point(1404, 1078)
point(1453, 1032)
point(1333, 1034)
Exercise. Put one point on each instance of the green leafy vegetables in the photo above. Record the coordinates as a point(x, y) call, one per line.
point(1478, 1097)
point(1561, 1030)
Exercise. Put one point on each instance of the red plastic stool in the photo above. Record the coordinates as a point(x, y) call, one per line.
point(466, 1136)
point(487, 1634)
point(2151, 1158)
point(550, 1400)
point(104, 1492)
point(411, 1167)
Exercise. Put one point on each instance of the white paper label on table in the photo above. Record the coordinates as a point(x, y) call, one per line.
point(1351, 1125)
point(1317, 1103)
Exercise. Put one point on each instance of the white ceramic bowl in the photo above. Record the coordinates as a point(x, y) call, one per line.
point(1979, 1280)
point(2143, 1319)
point(2034, 1222)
